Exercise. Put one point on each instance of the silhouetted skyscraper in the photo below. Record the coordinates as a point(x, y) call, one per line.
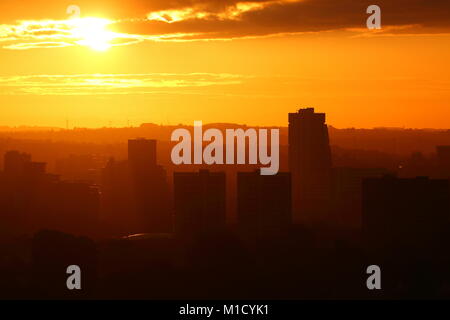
point(199, 201)
point(310, 165)
point(149, 186)
point(136, 193)
point(264, 202)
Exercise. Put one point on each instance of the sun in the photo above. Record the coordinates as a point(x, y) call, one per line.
point(93, 33)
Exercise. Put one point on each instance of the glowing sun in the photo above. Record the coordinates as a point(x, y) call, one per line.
point(93, 33)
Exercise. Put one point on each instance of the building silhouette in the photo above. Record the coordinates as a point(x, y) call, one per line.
point(83, 167)
point(405, 229)
point(200, 201)
point(32, 199)
point(135, 192)
point(443, 161)
point(118, 211)
point(405, 214)
point(15, 163)
point(416, 165)
point(142, 154)
point(347, 194)
point(264, 203)
point(149, 186)
point(310, 166)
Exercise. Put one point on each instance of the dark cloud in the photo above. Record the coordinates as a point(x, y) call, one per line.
point(305, 16)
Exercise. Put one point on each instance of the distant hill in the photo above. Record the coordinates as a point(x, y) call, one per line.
point(27, 129)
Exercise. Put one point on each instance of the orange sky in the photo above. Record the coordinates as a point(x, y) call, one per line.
point(223, 61)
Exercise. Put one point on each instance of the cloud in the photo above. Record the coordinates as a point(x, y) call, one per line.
point(203, 11)
point(107, 84)
point(215, 20)
point(189, 20)
point(37, 45)
point(90, 32)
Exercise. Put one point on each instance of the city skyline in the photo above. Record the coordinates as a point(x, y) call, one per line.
point(198, 231)
point(143, 182)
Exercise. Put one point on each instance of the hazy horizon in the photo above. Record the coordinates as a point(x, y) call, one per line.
point(31, 128)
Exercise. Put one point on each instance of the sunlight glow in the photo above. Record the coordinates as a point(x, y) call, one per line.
point(93, 33)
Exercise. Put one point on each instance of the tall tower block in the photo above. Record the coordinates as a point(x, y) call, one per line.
point(310, 166)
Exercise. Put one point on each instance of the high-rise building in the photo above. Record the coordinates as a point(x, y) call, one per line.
point(264, 202)
point(149, 186)
point(347, 193)
point(310, 166)
point(135, 194)
point(199, 201)
point(405, 214)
